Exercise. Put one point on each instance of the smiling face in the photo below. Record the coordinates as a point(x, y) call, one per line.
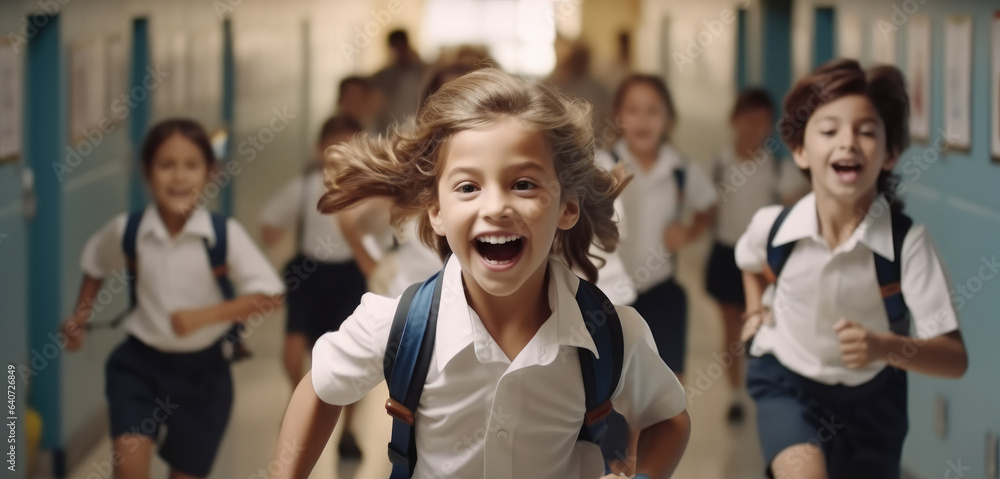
point(499, 204)
point(644, 118)
point(844, 149)
point(176, 175)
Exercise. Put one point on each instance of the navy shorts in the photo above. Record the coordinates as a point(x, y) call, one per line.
point(321, 295)
point(191, 394)
point(860, 429)
point(724, 280)
point(664, 307)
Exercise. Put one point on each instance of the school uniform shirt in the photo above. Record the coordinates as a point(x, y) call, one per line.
point(174, 274)
point(818, 286)
point(321, 238)
point(415, 261)
point(744, 187)
point(649, 205)
point(482, 415)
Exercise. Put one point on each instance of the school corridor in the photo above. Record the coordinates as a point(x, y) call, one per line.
point(82, 81)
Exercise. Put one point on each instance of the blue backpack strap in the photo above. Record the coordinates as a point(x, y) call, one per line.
point(407, 360)
point(889, 274)
point(129, 241)
point(777, 256)
point(217, 256)
point(602, 373)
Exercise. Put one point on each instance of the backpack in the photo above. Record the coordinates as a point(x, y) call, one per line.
point(888, 272)
point(216, 258)
point(680, 178)
point(411, 344)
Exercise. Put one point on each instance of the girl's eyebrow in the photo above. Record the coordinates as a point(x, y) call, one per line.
point(472, 171)
point(526, 165)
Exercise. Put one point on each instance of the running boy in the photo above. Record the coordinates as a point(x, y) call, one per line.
point(854, 279)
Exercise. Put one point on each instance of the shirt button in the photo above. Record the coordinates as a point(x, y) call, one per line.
point(502, 434)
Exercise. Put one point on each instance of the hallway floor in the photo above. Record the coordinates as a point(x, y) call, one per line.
point(716, 450)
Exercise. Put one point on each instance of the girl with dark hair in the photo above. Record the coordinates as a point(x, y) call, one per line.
point(844, 293)
point(171, 367)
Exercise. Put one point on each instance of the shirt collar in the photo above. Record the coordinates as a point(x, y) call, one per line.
point(667, 160)
point(458, 327)
point(874, 231)
point(199, 224)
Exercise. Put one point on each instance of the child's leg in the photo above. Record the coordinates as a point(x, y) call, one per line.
point(732, 316)
point(296, 347)
point(801, 461)
point(134, 452)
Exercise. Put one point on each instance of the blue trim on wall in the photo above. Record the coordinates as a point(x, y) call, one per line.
point(45, 135)
point(824, 36)
point(228, 108)
point(139, 119)
point(742, 50)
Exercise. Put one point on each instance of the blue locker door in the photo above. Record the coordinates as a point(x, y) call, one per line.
point(139, 118)
point(44, 137)
point(824, 36)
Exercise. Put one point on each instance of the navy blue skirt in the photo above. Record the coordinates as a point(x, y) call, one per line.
point(724, 280)
point(321, 295)
point(860, 429)
point(664, 307)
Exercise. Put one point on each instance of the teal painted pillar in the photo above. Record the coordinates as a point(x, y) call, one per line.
point(824, 36)
point(776, 72)
point(138, 121)
point(45, 136)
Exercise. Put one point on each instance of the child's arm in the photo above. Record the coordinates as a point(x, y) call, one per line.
point(662, 445)
point(677, 235)
point(348, 228)
point(754, 285)
point(305, 431)
point(187, 321)
point(369, 216)
point(942, 356)
point(75, 328)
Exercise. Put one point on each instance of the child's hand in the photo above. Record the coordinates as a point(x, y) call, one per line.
point(675, 237)
point(753, 321)
point(184, 322)
point(75, 331)
point(858, 346)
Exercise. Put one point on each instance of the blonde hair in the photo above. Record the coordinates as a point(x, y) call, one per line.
point(406, 164)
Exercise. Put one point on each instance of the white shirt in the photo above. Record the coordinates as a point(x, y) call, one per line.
point(321, 237)
point(744, 187)
point(415, 261)
point(818, 286)
point(175, 274)
point(650, 205)
point(484, 416)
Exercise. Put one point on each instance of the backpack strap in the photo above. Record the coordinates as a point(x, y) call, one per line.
point(601, 373)
point(777, 256)
point(217, 256)
point(889, 274)
point(129, 241)
point(411, 345)
point(407, 360)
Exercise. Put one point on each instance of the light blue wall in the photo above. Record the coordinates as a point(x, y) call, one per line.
point(13, 287)
point(958, 198)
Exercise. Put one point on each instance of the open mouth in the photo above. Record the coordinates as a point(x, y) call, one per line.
point(847, 170)
point(499, 250)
